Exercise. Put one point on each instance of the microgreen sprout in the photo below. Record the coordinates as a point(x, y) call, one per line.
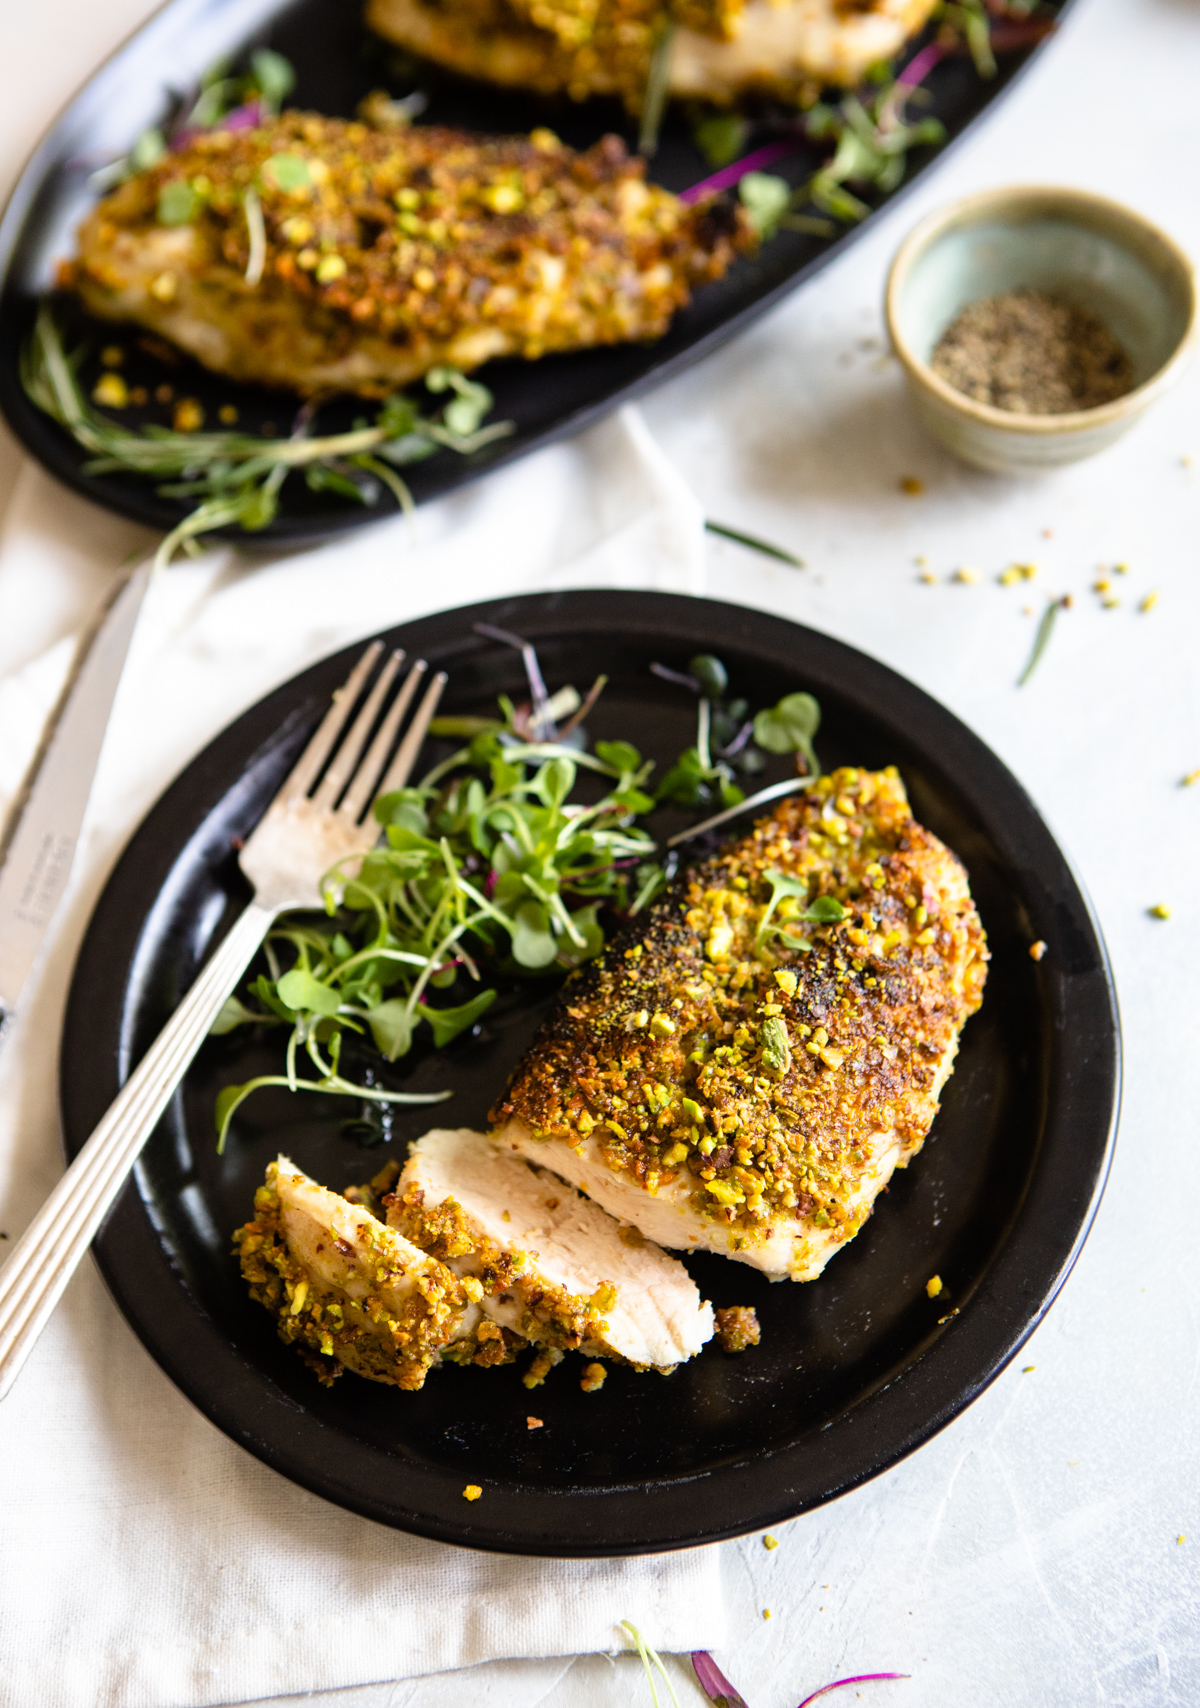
point(650, 1660)
point(970, 19)
point(872, 148)
point(236, 477)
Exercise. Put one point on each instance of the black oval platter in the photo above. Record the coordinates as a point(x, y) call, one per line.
point(338, 61)
point(854, 1371)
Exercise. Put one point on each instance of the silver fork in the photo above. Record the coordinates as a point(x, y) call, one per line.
point(318, 818)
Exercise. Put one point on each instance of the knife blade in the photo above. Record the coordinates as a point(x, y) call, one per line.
point(41, 846)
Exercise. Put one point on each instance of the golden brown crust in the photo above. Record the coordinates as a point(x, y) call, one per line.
point(703, 1049)
point(389, 250)
point(392, 1346)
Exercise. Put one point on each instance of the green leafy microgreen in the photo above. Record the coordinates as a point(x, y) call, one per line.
point(469, 405)
point(178, 203)
point(721, 137)
point(287, 172)
point(872, 144)
point(781, 905)
point(710, 674)
point(236, 477)
point(766, 198)
point(273, 77)
point(790, 727)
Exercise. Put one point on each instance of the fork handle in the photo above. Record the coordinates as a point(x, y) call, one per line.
point(49, 1251)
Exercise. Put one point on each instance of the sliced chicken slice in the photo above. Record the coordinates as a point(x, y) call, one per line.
point(554, 1267)
point(742, 1072)
point(346, 1286)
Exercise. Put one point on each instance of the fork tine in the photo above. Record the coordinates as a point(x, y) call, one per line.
point(345, 759)
point(360, 794)
point(308, 766)
point(406, 755)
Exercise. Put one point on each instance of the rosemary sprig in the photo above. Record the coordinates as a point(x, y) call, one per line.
point(1041, 640)
point(237, 477)
point(752, 543)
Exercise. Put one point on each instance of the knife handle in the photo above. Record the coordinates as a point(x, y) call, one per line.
point(49, 1251)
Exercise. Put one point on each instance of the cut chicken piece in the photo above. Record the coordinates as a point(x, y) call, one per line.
point(721, 50)
point(555, 1268)
point(325, 255)
point(346, 1286)
point(742, 1072)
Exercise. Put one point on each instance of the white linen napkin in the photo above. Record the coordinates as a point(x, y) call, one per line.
point(146, 1561)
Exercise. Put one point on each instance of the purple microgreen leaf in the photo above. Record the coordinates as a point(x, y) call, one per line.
point(668, 675)
point(862, 1678)
point(713, 1682)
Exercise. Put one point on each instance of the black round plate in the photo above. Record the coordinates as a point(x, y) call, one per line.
point(854, 1371)
point(337, 62)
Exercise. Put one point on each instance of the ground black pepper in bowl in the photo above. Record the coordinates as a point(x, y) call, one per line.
point(1032, 354)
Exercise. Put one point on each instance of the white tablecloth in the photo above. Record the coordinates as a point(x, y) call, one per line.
point(1030, 1555)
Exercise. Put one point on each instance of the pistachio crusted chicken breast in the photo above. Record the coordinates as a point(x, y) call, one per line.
point(324, 255)
point(554, 1268)
point(720, 49)
point(743, 1072)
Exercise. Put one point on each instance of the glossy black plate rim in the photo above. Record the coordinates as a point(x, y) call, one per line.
point(58, 454)
point(962, 1355)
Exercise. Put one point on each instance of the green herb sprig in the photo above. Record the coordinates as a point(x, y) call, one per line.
point(236, 477)
point(497, 873)
point(1041, 639)
point(871, 139)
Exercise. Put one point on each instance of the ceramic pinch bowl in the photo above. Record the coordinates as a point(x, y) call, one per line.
point(1079, 247)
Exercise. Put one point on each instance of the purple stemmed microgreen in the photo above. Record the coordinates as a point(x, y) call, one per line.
point(720, 1692)
point(860, 1678)
point(713, 1682)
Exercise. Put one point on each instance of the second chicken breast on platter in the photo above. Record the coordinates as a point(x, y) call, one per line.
point(324, 255)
